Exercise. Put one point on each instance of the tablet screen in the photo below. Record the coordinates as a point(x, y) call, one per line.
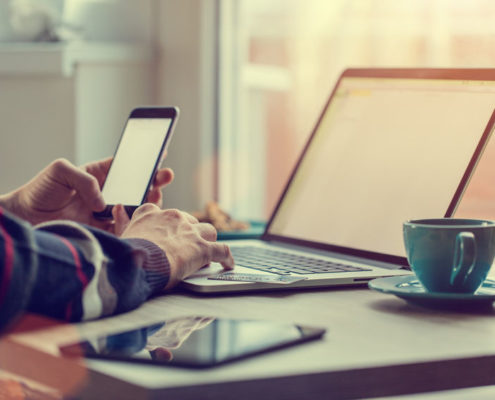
point(196, 342)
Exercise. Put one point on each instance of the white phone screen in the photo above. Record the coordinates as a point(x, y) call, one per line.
point(135, 160)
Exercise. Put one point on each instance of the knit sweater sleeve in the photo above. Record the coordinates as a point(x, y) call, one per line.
point(73, 272)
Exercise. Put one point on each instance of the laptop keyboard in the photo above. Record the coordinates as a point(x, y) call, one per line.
point(282, 263)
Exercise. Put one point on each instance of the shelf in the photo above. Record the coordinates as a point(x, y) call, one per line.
point(60, 59)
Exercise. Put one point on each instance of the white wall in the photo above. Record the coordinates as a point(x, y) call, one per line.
point(184, 78)
point(80, 116)
point(77, 114)
point(36, 116)
point(106, 93)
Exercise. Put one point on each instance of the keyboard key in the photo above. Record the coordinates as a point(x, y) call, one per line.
point(281, 263)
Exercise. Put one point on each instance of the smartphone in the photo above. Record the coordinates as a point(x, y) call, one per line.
point(194, 341)
point(146, 134)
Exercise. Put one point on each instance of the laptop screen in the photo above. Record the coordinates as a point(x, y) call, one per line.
point(385, 150)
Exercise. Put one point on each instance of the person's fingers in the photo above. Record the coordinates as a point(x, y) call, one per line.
point(85, 184)
point(104, 225)
point(220, 253)
point(99, 169)
point(121, 219)
point(207, 231)
point(190, 218)
point(145, 208)
point(163, 177)
point(155, 196)
point(161, 354)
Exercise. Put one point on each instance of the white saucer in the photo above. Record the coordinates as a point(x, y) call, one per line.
point(409, 288)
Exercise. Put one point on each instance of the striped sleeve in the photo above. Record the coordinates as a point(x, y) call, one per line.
point(18, 266)
point(75, 272)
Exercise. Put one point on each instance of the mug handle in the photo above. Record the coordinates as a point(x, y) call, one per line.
point(464, 258)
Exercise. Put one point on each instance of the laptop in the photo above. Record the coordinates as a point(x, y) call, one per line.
point(390, 145)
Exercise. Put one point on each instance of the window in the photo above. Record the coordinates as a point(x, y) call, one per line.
point(279, 60)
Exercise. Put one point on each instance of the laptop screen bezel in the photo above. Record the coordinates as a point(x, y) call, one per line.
point(388, 73)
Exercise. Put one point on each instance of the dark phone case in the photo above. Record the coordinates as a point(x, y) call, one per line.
point(107, 212)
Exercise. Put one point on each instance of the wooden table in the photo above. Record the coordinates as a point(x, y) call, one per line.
point(376, 345)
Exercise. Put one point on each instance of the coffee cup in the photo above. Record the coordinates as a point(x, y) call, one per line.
point(450, 254)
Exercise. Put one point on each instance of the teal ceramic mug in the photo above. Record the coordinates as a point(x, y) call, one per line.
point(450, 254)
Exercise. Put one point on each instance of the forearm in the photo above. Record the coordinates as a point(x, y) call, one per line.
point(71, 272)
point(107, 275)
point(18, 266)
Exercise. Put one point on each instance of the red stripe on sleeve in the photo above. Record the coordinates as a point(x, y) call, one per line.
point(68, 311)
point(8, 261)
point(77, 261)
point(79, 272)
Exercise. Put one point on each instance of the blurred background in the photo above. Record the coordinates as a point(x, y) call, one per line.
point(250, 78)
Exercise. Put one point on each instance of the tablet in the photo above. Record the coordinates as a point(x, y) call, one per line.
point(194, 342)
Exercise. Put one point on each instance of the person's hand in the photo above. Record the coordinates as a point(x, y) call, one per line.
point(172, 335)
point(188, 244)
point(64, 191)
point(176, 331)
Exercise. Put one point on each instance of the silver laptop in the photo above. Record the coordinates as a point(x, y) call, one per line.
point(390, 145)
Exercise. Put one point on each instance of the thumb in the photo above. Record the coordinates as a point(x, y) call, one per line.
point(121, 219)
point(84, 183)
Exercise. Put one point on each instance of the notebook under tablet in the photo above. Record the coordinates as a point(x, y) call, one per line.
point(390, 145)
